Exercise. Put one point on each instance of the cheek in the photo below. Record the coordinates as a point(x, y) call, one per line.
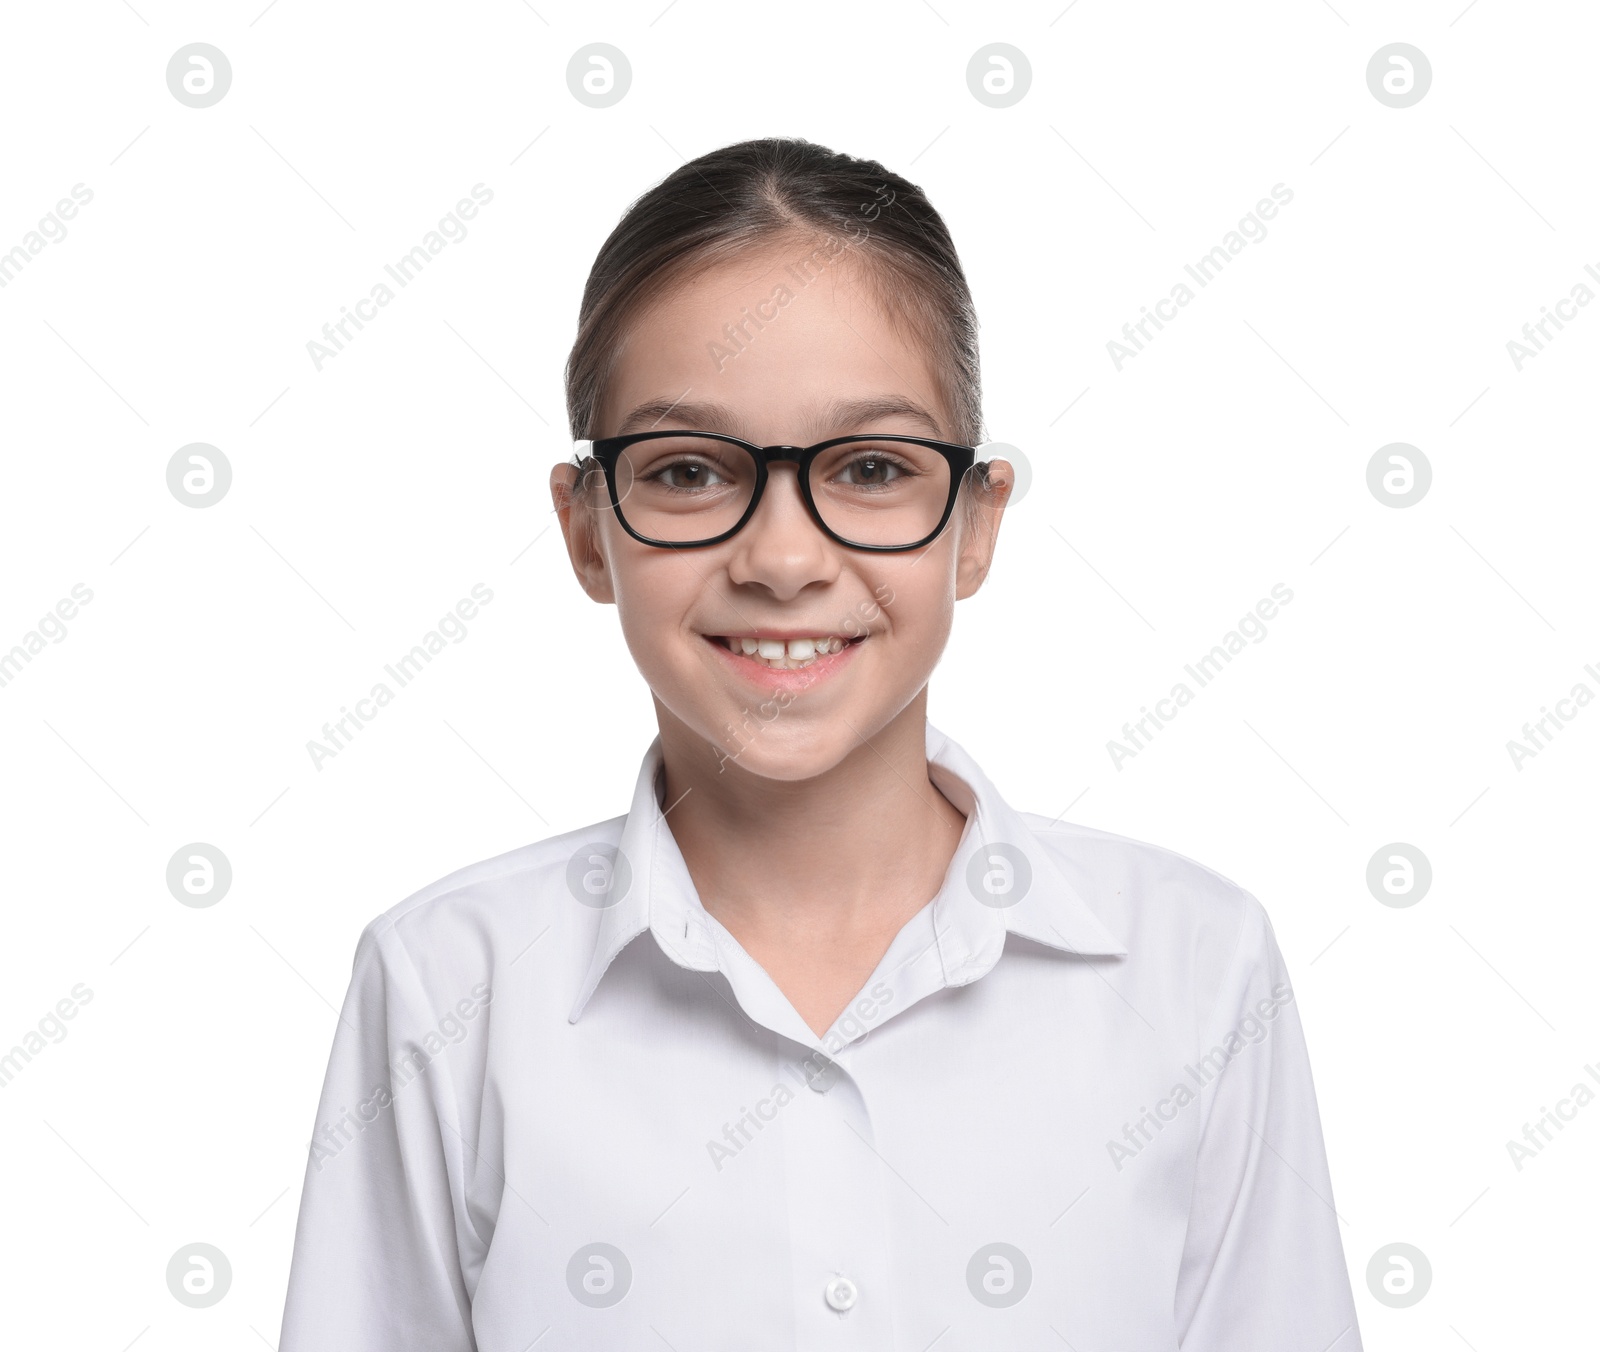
point(915, 605)
point(655, 593)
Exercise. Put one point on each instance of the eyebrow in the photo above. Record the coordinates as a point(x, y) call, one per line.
point(840, 416)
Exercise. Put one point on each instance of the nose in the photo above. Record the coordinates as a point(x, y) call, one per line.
point(781, 548)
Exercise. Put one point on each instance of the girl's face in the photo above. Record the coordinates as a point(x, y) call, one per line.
point(828, 362)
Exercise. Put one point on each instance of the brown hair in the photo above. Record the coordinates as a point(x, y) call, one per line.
point(744, 194)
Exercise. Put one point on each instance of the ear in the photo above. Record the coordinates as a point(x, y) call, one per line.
point(980, 524)
point(579, 514)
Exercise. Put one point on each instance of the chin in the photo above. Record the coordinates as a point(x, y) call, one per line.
point(788, 755)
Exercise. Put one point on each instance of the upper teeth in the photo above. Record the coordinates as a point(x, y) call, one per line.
point(784, 653)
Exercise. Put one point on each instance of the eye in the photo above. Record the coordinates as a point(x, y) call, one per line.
point(872, 469)
point(687, 475)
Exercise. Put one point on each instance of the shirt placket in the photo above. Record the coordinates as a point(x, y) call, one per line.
point(838, 1220)
point(832, 1179)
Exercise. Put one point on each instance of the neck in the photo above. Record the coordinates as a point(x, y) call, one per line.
point(850, 853)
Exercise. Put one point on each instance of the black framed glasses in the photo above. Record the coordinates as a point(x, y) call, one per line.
point(682, 490)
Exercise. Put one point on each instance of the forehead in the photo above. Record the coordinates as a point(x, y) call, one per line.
point(787, 341)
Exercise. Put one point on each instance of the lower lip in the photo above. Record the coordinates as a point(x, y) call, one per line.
point(771, 678)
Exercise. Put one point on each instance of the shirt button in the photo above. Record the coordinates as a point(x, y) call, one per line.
point(840, 1293)
point(821, 1074)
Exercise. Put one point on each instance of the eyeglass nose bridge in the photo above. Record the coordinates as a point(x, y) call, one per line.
point(777, 455)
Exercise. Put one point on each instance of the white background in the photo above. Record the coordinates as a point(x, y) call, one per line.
point(1168, 497)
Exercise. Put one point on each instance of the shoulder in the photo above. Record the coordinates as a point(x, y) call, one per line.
point(1178, 918)
point(462, 925)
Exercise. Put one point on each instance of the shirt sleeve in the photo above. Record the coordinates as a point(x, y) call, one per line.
point(376, 1264)
point(1263, 1264)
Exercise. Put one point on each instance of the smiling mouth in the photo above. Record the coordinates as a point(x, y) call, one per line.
point(793, 654)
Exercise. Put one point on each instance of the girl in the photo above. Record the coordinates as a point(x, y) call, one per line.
point(822, 1044)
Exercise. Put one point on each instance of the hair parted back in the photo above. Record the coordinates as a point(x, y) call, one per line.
point(742, 195)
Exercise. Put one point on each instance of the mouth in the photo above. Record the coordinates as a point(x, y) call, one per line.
point(790, 653)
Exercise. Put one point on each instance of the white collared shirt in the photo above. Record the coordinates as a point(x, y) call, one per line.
point(1070, 1108)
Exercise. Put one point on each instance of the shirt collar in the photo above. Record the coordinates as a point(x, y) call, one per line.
point(999, 854)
